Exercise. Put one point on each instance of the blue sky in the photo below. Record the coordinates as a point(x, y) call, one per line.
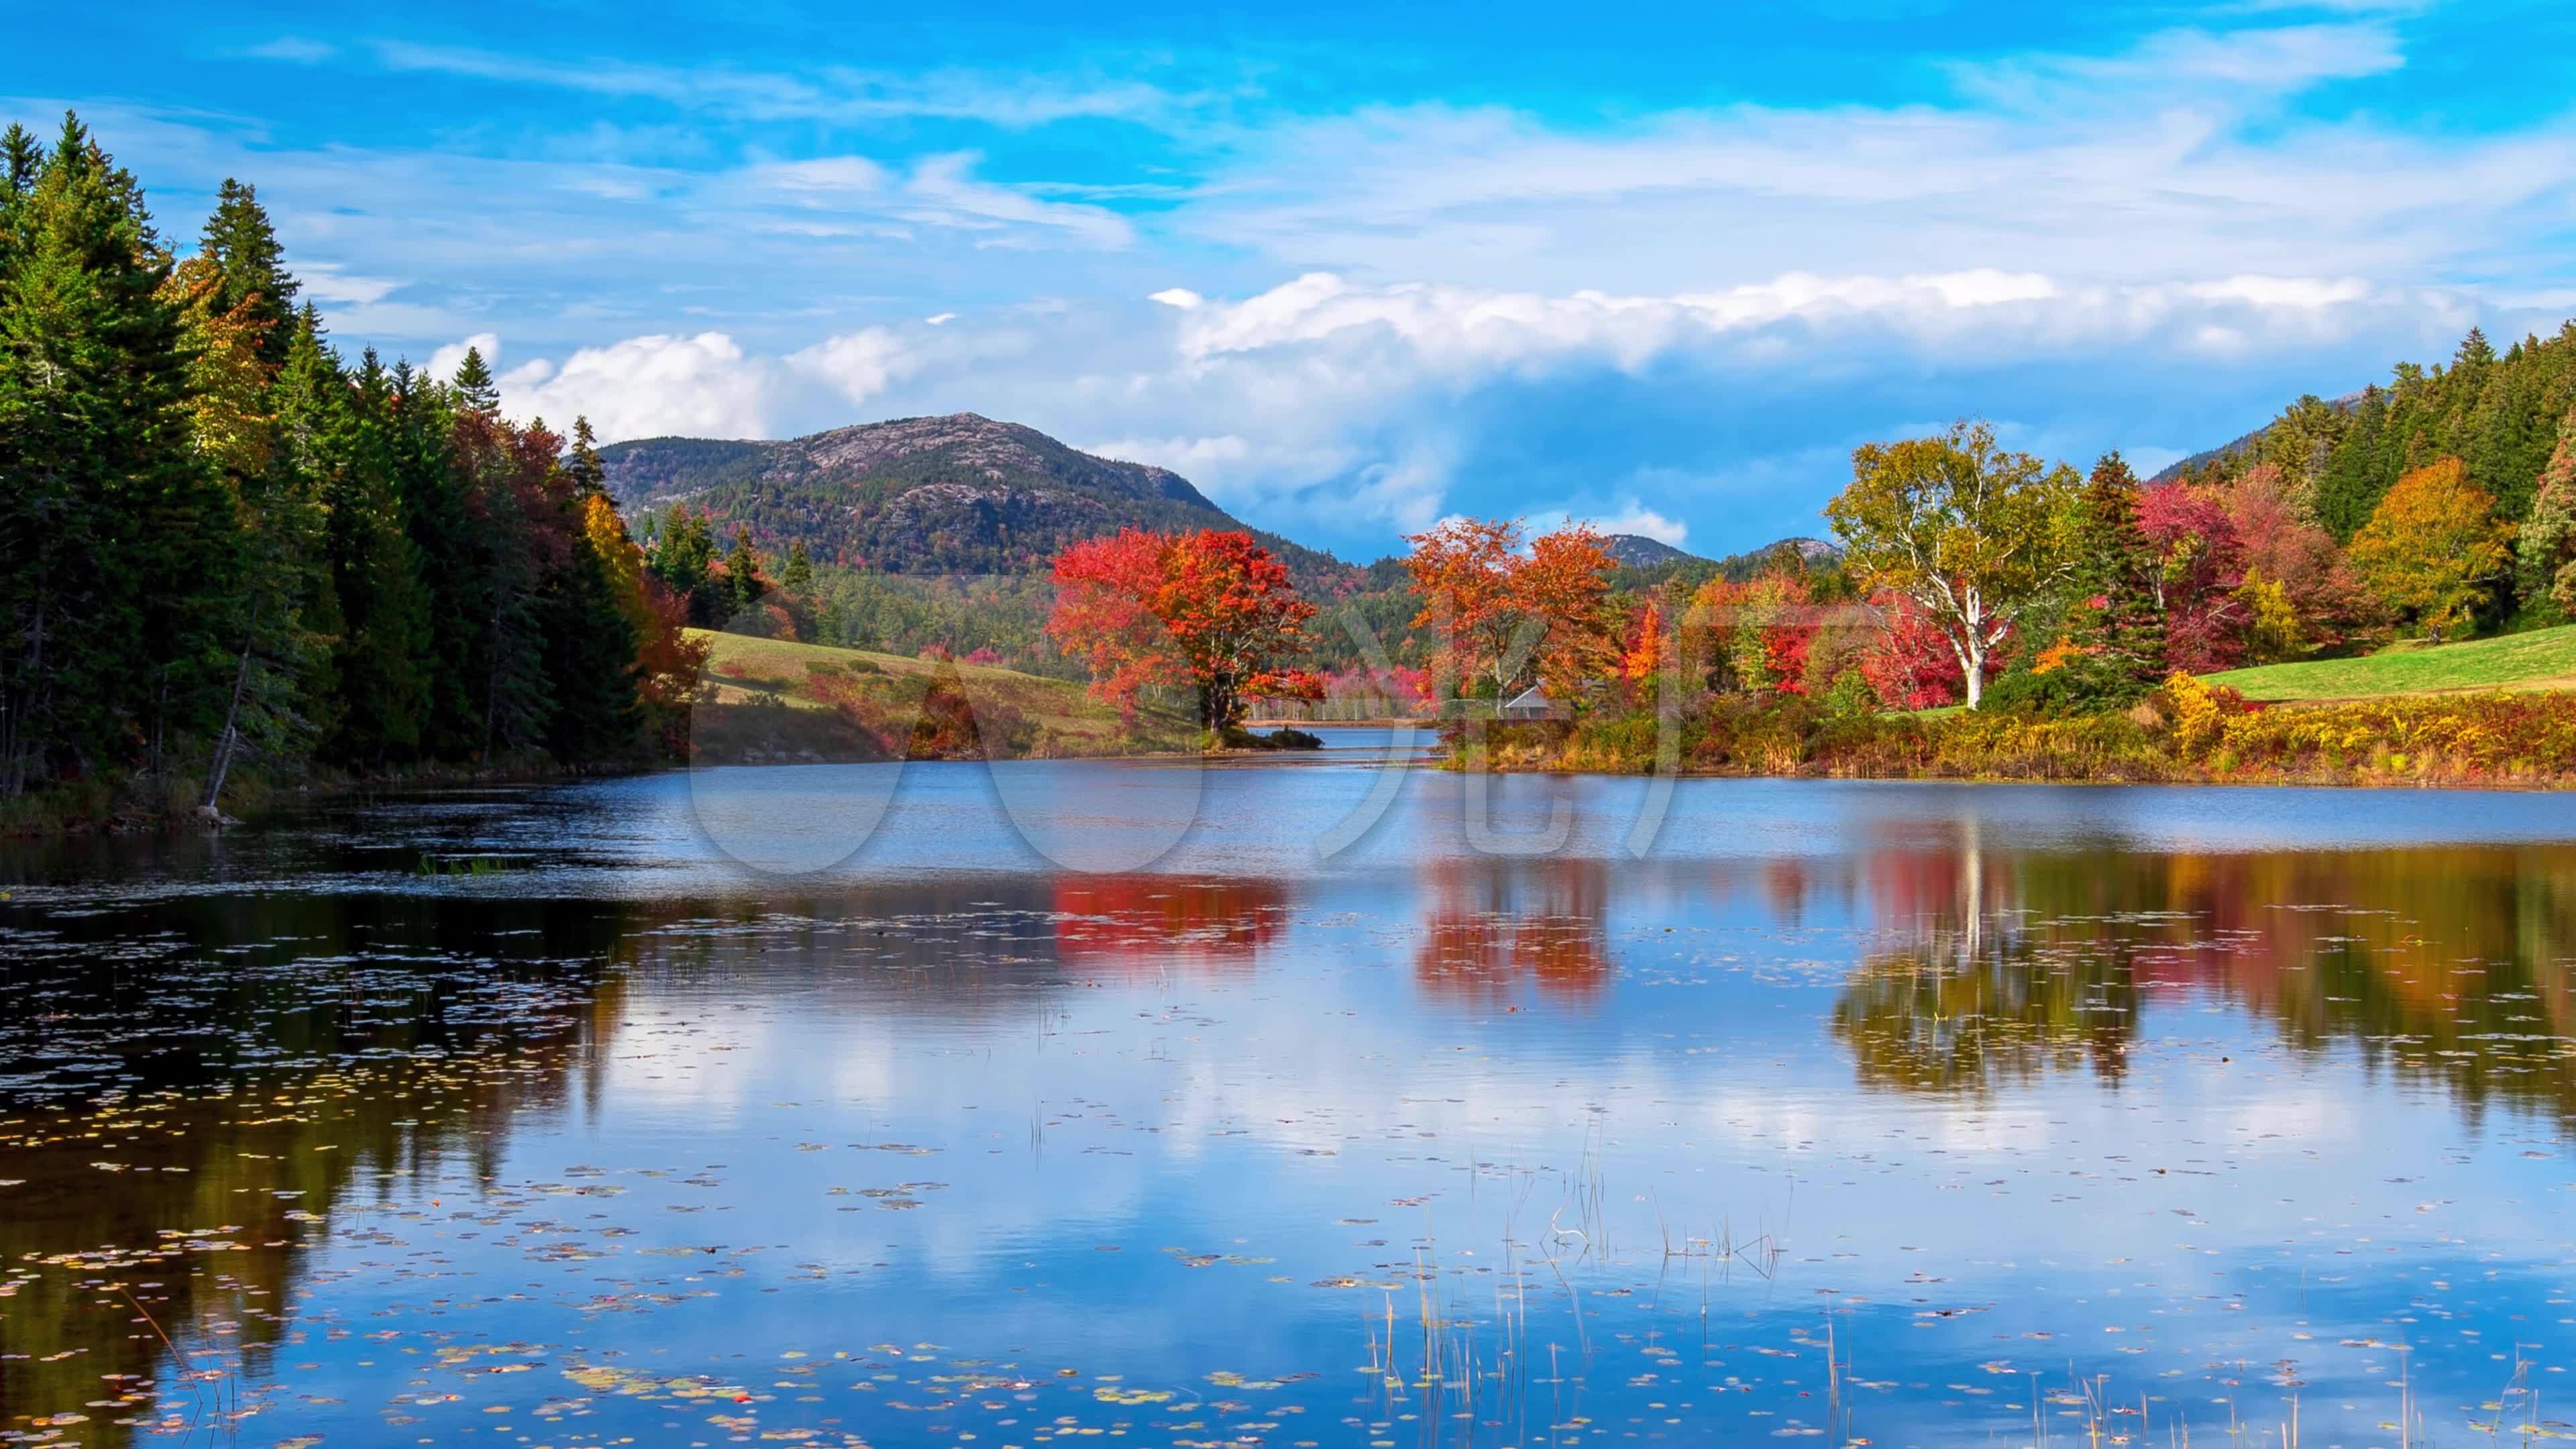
point(1353, 268)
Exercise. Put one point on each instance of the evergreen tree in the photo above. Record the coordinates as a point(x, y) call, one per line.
point(591, 662)
point(237, 413)
point(307, 393)
point(245, 252)
point(744, 586)
point(589, 476)
point(2350, 483)
point(106, 487)
point(440, 524)
point(2116, 620)
point(385, 631)
point(218, 543)
point(476, 392)
point(682, 557)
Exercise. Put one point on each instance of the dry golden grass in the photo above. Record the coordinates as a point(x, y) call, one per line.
point(745, 671)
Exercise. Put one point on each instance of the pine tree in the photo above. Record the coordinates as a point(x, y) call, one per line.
point(589, 475)
point(2116, 619)
point(219, 543)
point(744, 585)
point(238, 413)
point(507, 674)
point(244, 249)
point(385, 635)
point(2351, 482)
point(476, 392)
point(106, 485)
point(591, 662)
point(438, 520)
point(308, 390)
point(682, 556)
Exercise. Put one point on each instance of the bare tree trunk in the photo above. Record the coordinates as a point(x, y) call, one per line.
point(232, 716)
point(1972, 659)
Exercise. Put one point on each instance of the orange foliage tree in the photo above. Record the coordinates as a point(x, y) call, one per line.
point(1507, 607)
point(669, 664)
point(1762, 629)
point(1643, 655)
point(2433, 548)
point(1210, 609)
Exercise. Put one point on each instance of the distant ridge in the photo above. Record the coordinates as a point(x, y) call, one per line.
point(1636, 551)
point(965, 494)
point(2184, 467)
point(955, 494)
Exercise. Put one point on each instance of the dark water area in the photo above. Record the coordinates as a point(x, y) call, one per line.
point(1296, 1103)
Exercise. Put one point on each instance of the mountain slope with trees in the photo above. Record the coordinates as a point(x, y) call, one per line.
point(961, 494)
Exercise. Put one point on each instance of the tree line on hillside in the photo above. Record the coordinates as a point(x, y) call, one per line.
point(2501, 414)
point(2093, 588)
point(221, 540)
point(1965, 565)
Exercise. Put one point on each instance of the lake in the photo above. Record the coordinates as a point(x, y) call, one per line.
point(1311, 1102)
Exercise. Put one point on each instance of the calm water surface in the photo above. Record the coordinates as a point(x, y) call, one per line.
point(1294, 1104)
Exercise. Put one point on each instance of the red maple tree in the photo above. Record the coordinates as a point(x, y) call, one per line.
point(1505, 606)
point(1211, 609)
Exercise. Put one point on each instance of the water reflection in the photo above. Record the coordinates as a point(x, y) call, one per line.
point(196, 1092)
point(2446, 965)
point(1491, 925)
point(607, 1144)
point(1151, 922)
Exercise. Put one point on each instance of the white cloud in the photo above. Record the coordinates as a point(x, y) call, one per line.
point(444, 361)
point(705, 385)
point(836, 93)
point(294, 49)
point(1635, 518)
point(858, 365)
point(1464, 330)
point(947, 195)
point(2263, 62)
point(327, 282)
point(2176, 161)
point(702, 386)
point(1191, 457)
point(1678, 319)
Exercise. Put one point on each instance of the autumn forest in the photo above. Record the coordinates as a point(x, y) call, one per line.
point(353, 567)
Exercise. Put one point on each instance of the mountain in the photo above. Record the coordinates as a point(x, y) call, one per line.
point(2229, 452)
point(1636, 551)
point(1647, 561)
point(960, 494)
point(964, 494)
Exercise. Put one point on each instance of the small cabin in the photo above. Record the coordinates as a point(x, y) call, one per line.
point(1529, 704)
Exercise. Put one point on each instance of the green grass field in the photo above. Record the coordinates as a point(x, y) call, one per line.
point(2541, 659)
point(746, 671)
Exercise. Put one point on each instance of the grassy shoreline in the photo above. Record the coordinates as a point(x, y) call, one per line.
point(2186, 733)
point(2534, 659)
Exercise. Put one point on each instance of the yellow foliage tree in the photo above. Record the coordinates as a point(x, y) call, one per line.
point(227, 380)
point(2434, 547)
point(1972, 534)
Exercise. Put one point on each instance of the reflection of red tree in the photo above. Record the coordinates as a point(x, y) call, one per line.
point(1491, 926)
point(1129, 921)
